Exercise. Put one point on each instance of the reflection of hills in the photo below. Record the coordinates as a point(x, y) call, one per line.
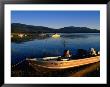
point(74, 36)
point(79, 35)
point(23, 28)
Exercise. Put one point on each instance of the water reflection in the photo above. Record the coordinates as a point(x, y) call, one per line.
point(39, 48)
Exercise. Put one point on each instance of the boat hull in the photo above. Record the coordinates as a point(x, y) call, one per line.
point(58, 65)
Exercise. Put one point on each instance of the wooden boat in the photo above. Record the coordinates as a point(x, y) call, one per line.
point(62, 64)
point(56, 36)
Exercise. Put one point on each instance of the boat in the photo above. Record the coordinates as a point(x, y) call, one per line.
point(64, 63)
point(56, 35)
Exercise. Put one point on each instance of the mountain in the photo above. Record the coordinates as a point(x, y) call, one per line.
point(23, 28)
point(79, 30)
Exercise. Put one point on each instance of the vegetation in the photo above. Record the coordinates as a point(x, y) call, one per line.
point(22, 37)
point(23, 28)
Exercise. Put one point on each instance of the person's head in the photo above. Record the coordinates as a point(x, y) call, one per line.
point(66, 51)
point(92, 48)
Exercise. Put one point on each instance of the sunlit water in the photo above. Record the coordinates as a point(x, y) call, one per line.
point(39, 48)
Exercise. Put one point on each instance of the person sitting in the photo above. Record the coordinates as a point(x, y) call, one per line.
point(67, 53)
point(93, 52)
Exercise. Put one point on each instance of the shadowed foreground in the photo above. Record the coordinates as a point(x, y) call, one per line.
point(25, 70)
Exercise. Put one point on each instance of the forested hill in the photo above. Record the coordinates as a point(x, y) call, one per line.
point(23, 28)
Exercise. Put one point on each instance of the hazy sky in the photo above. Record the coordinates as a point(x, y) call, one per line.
point(58, 19)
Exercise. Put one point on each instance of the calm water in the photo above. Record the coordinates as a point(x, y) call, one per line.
point(54, 47)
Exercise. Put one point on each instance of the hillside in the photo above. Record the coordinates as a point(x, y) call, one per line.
point(23, 28)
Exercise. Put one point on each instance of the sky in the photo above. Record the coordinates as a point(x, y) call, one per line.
point(58, 19)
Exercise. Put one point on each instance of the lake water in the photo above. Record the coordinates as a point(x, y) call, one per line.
point(39, 48)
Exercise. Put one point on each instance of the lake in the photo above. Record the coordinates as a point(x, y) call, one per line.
point(39, 48)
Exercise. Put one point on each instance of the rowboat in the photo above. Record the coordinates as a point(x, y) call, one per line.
point(53, 64)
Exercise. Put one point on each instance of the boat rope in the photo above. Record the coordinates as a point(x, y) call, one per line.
point(18, 63)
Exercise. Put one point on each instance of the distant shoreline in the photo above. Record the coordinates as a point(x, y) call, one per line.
point(23, 28)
